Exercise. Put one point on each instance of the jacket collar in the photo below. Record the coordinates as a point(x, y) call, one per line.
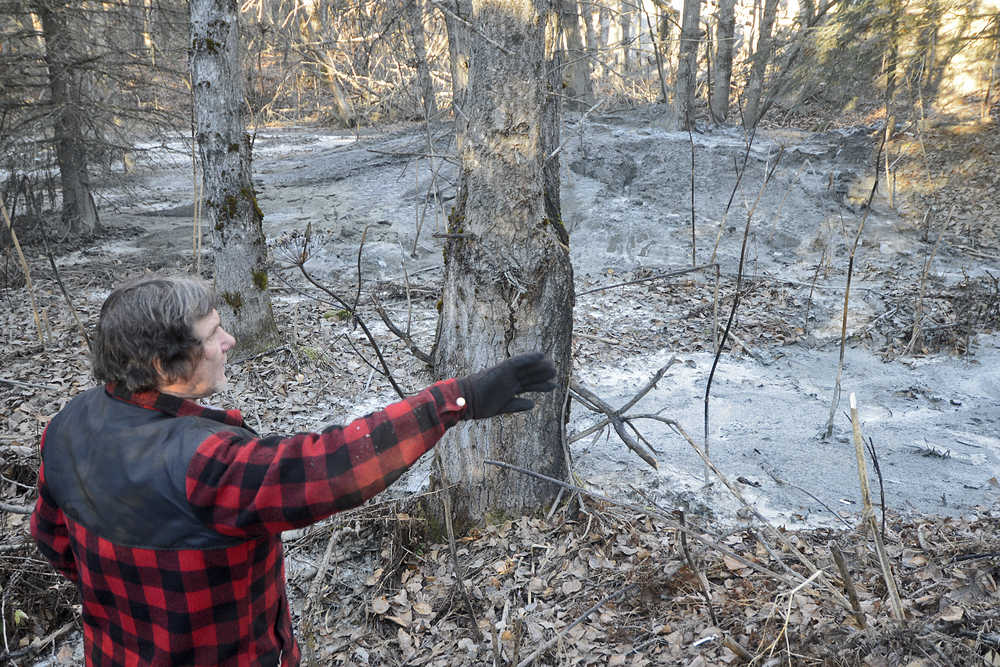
point(174, 406)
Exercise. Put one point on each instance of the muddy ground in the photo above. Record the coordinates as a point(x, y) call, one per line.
point(930, 408)
point(928, 403)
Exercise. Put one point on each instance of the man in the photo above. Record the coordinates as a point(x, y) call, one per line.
point(167, 514)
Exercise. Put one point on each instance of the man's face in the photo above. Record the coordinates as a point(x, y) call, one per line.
point(209, 375)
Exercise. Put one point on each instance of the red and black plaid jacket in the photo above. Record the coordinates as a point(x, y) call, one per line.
point(167, 515)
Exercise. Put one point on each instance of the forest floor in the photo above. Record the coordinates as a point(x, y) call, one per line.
point(927, 396)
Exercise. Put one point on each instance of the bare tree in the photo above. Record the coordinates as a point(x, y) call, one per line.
point(457, 15)
point(580, 90)
point(687, 63)
point(761, 58)
point(725, 43)
point(415, 21)
point(225, 148)
point(79, 213)
point(508, 284)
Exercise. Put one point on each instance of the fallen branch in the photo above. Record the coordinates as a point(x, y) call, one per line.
point(30, 385)
point(590, 399)
point(625, 408)
point(15, 509)
point(637, 281)
point(37, 645)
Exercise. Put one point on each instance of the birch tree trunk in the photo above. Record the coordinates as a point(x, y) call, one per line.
point(724, 43)
point(508, 284)
point(224, 146)
point(761, 58)
point(79, 214)
point(687, 63)
point(580, 92)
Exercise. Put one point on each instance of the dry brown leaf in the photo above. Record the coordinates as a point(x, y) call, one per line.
point(571, 586)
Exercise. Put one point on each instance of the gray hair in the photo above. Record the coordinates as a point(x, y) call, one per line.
point(147, 320)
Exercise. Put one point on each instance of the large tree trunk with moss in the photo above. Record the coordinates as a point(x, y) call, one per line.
point(79, 214)
point(224, 146)
point(508, 284)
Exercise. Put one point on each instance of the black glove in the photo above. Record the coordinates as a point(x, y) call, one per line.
point(495, 390)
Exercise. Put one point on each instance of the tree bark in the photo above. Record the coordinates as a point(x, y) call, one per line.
point(415, 19)
point(225, 150)
point(687, 64)
point(457, 14)
point(625, 9)
point(508, 284)
point(724, 45)
point(79, 214)
point(761, 57)
point(580, 91)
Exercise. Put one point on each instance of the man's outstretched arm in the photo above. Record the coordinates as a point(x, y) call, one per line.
point(243, 486)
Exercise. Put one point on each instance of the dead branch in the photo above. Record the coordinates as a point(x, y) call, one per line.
point(847, 295)
point(27, 272)
point(301, 264)
point(30, 385)
point(37, 645)
point(739, 282)
point(869, 516)
point(15, 509)
point(845, 575)
point(59, 281)
point(589, 399)
point(402, 335)
point(918, 314)
point(706, 592)
point(625, 408)
point(660, 276)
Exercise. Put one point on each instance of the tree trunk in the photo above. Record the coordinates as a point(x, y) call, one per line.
point(579, 91)
point(758, 67)
point(508, 285)
point(687, 64)
point(625, 22)
point(224, 146)
point(415, 18)
point(724, 44)
point(456, 15)
point(79, 214)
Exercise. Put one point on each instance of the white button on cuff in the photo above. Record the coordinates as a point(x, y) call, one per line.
point(460, 401)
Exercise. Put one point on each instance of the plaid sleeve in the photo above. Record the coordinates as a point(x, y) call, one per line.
point(242, 486)
point(48, 528)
